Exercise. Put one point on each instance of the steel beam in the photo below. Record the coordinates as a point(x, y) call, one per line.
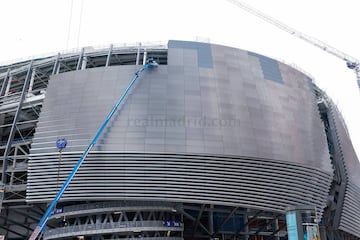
point(250, 221)
point(56, 67)
point(138, 55)
point(339, 164)
point(266, 224)
point(14, 232)
point(13, 127)
point(2, 193)
point(144, 57)
point(187, 215)
point(211, 219)
point(108, 58)
point(5, 83)
point(81, 56)
point(32, 79)
point(226, 220)
point(8, 85)
point(27, 215)
point(16, 223)
point(197, 222)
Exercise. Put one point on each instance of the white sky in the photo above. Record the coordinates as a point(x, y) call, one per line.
point(41, 26)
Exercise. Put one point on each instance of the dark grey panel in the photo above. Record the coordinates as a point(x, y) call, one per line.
point(269, 67)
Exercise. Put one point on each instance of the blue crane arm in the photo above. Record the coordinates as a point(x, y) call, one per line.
point(41, 225)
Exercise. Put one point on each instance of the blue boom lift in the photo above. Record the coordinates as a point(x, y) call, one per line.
point(42, 224)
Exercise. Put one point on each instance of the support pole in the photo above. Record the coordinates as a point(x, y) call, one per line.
point(81, 56)
point(211, 219)
point(277, 229)
point(138, 54)
point(56, 67)
point(145, 56)
point(13, 126)
point(226, 220)
point(246, 225)
point(32, 79)
point(197, 221)
point(84, 63)
point(109, 56)
point(8, 86)
point(5, 83)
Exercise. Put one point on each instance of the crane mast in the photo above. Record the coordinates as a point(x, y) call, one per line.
point(351, 62)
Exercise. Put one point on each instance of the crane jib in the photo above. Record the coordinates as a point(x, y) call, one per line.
point(351, 62)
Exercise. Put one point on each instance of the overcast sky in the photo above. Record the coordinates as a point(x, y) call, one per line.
point(42, 26)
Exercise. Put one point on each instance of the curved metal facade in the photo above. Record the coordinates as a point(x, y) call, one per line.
point(215, 125)
point(255, 183)
point(349, 216)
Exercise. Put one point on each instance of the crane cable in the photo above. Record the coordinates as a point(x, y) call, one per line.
point(60, 144)
point(351, 62)
point(80, 22)
point(58, 173)
point(69, 26)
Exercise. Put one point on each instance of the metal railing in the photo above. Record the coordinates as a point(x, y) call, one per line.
point(101, 228)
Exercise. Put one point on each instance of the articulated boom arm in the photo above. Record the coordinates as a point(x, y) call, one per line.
point(351, 62)
point(41, 225)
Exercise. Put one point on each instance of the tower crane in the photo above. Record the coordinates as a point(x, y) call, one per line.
point(351, 62)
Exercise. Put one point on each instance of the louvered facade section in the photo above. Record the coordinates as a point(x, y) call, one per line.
point(350, 211)
point(215, 142)
point(255, 183)
point(210, 126)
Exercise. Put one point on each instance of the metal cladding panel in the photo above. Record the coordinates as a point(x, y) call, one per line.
point(350, 160)
point(270, 67)
point(183, 109)
point(350, 212)
point(249, 182)
point(350, 217)
point(204, 55)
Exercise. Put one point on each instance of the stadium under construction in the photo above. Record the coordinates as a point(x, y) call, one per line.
point(214, 143)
